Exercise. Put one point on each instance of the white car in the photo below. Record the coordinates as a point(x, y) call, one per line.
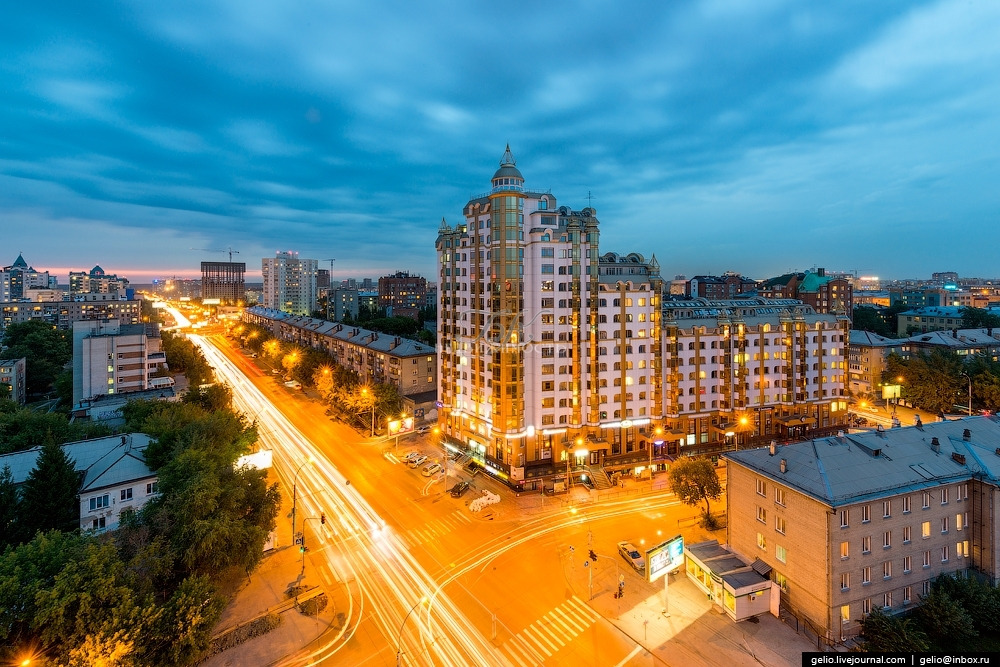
point(417, 461)
point(430, 469)
point(632, 555)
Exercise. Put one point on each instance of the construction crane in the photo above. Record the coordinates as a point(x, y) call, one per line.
point(331, 260)
point(229, 250)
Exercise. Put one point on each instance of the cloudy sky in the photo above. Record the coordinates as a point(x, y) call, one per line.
point(749, 135)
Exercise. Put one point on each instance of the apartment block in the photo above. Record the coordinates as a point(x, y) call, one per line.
point(12, 375)
point(113, 358)
point(289, 283)
point(850, 523)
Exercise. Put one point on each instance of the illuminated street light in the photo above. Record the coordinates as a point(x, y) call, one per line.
point(295, 480)
point(399, 638)
point(365, 392)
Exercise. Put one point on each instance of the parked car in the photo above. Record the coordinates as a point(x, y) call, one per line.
point(430, 469)
point(410, 456)
point(424, 429)
point(293, 384)
point(459, 489)
point(632, 556)
point(275, 371)
point(417, 461)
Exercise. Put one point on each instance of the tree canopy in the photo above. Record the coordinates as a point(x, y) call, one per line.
point(46, 350)
point(695, 480)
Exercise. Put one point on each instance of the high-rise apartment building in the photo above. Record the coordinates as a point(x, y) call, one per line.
point(550, 352)
point(223, 281)
point(95, 281)
point(402, 295)
point(114, 358)
point(289, 283)
point(18, 278)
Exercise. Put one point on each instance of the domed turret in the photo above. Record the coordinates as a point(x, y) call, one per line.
point(508, 176)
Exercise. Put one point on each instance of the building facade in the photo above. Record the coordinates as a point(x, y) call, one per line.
point(223, 281)
point(12, 376)
point(402, 295)
point(376, 357)
point(289, 283)
point(866, 361)
point(113, 358)
point(746, 371)
point(825, 293)
point(343, 302)
point(727, 286)
point(17, 278)
point(95, 281)
point(855, 522)
point(62, 314)
point(550, 355)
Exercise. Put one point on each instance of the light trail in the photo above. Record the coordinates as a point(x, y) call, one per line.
point(388, 576)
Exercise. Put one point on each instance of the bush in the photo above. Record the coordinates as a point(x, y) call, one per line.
point(314, 606)
point(244, 633)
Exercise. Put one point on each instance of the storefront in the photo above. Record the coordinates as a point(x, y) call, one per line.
point(729, 581)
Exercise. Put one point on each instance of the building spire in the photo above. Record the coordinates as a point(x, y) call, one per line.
point(508, 157)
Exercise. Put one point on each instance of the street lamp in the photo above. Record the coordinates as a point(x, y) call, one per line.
point(399, 638)
point(365, 392)
point(295, 480)
point(969, 378)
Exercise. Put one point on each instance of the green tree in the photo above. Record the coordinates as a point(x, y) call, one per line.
point(867, 318)
point(183, 632)
point(932, 381)
point(979, 318)
point(45, 348)
point(695, 480)
point(49, 494)
point(883, 633)
point(23, 428)
point(944, 620)
point(8, 508)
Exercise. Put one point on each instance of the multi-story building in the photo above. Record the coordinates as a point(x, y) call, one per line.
point(745, 371)
point(343, 302)
point(95, 281)
point(962, 342)
point(289, 283)
point(12, 376)
point(851, 523)
point(825, 293)
point(114, 476)
point(402, 295)
point(19, 277)
point(223, 281)
point(923, 297)
point(727, 286)
point(866, 361)
point(376, 357)
point(549, 351)
point(62, 314)
point(932, 318)
point(113, 358)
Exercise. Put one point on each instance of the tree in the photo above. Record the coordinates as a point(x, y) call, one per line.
point(45, 348)
point(183, 631)
point(866, 318)
point(979, 318)
point(944, 619)
point(694, 480)
point(48, 497)
point(883, 633)
point(8, 508)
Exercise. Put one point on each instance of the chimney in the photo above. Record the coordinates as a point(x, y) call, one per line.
point(954, 333)
point(821, 272)
point(840, 435)
point(936, 445)
point(773, 448)
point(966, 435)
point(784, 466)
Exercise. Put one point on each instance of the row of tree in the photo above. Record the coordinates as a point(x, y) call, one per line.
point(939, 381)
point(46, 350)
point(957, 615)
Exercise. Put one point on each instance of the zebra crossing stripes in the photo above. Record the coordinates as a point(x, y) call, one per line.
point(546, 636)
point(434, 529)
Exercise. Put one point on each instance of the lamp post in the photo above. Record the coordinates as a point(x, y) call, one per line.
point(969, 378)
point(365, 392)
point(295, 480)
point(399, 638)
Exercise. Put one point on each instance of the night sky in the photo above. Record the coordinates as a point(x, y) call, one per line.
point(757, 136)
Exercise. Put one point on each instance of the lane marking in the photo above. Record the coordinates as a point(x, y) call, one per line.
point(545, 635)
point(573, 623)
point(631, 655)
point(535, 643)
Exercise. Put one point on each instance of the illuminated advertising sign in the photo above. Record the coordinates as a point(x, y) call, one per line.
point(211, 302)
point(400, 426)
point(665, 557)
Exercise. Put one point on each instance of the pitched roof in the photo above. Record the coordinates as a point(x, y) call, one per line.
point(869, 339)
point(84, 454)
point(841, 470)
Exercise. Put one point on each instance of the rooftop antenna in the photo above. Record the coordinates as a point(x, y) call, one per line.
point(590, 200)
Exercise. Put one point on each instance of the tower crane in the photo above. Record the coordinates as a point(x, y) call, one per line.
point(331, 260)
point(229, 250)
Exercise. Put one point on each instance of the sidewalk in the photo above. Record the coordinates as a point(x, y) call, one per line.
point(280, 569)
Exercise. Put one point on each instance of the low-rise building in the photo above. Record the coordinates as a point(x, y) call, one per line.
point(12, 375)
point(114, 477)
point(851, 523)
point(866, 360)
point(408, 365)
point(932, 318)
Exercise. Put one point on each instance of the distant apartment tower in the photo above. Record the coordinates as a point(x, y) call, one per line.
point(343, 302)
point(95, 281)
point(402, 295)
point(12, 375)
point(549, 352)
point(17, 278)
point(289, 283)
point(223, 281)
point(322, 279)
point(114, 358)
point(726, 286)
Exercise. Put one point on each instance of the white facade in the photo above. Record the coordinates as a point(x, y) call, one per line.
point(113, 358)
point(289, 283)
point(522, 292)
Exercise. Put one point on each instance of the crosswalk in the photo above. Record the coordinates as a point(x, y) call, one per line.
point(542, 639)
point(436, 528)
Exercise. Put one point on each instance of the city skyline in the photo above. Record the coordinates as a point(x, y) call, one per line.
point(848, 137)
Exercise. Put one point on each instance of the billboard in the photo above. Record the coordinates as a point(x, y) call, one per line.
point(400, 426)
point(665, 557)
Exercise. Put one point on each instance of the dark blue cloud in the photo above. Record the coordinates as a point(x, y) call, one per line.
point(747, 135)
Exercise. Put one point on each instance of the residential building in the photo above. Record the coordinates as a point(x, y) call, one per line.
point(18, 277)
point(932, 318)
point(289, 283)
point(113, 358)
point(95, 281)
point(343, 303)
point(825, 293)
point(742, 372)
point(402, 295)
point(369, 301)
point(12, 376)
point(958, 341)
point(376, 357)
point(550, 353)
point(923, 297)
point(114, 476)
point(223, 281)
point(62, 314)
point(851, 523)
point(727, 286)
point(866, 361)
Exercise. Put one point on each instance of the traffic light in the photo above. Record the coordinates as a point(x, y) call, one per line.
point(302, 549)
point(593, 556)
point(322, 518)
